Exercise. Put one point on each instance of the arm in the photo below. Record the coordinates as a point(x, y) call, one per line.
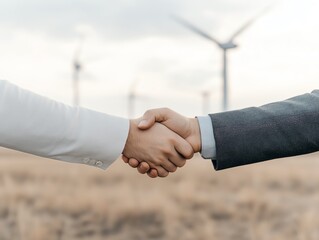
point(276, 130)
point(40, 126)
point(251, 135)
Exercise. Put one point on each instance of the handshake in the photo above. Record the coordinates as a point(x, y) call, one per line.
point(161, 141)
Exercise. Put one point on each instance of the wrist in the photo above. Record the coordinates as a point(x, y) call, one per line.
point(131, 138)
point(195, 135)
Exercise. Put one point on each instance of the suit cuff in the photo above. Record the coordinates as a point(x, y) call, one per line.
point(208, 149)
point(102, 138)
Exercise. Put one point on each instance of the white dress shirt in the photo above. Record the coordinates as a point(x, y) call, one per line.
point(208, 150)
point(43, 127)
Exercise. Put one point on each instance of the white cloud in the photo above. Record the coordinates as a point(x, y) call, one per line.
point(131, 40)
point(120, 19)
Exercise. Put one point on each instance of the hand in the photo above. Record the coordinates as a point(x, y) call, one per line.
point(158, 147)
point(187, 128)
point(142, 167)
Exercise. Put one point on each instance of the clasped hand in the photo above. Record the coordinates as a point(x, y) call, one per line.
point(160, 142)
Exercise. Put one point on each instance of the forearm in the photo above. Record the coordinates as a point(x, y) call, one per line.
point(276, 130)
point(40, 126)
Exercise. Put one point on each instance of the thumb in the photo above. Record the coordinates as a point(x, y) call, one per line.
point(145, 124)
point(150, 117)
point(147, 121)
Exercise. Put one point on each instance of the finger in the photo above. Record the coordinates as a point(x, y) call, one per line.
point(152, 173)
point(125, 159)
point(143, 167)
point(168, 165)
point(152, 116)
point(133, 163)
point(178, 160)
point(162, 172)
point(184, 148)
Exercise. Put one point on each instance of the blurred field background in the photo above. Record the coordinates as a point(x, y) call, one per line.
point(128, 56)
point(45, 199)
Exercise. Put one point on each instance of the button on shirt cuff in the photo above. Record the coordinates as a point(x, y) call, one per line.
point(208, 150)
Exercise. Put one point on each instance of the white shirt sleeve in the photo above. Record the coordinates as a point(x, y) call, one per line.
point(208, 149)
point(43, 127)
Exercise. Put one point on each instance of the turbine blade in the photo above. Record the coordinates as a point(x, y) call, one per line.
point(133, 86)
point(79, 49)
point(195, 29)
point(77, 54)
point(249, 23)
point(94, 58)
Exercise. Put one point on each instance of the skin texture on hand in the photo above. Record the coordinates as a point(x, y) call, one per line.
point(158, 147)
point(187, 128)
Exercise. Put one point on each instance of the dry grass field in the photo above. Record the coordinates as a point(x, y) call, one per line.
point(45, 199)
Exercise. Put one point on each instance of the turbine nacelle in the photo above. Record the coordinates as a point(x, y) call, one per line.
point(228, 45)
point(77, 65)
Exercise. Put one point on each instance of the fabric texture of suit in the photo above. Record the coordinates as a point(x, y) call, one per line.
point(35, 124)
point(276, 130)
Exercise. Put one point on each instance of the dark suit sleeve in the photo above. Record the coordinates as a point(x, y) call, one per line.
point(276, 130)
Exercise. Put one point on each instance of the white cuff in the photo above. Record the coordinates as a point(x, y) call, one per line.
point(208, 149)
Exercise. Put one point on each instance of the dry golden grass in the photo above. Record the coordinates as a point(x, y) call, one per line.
point(45, 199)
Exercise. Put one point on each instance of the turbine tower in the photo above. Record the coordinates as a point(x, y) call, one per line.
point(132, 95)
point(77, 68)
point(225, 46)
point(206, 94)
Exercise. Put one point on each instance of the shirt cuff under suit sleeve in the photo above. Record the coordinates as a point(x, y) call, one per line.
point(208, 149)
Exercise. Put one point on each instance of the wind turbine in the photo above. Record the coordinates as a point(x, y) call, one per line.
point(225, 46)
point(206, 94)
point(132, 95)
point(77, 68)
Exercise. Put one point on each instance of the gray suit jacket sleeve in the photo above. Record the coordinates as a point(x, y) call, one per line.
point(276, 130)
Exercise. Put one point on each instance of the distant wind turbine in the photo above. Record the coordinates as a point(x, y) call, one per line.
point(206, 94)
point(77, 68)
point(225, 46)
point(132, 98)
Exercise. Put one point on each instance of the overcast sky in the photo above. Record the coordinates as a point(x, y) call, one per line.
point(128, 41)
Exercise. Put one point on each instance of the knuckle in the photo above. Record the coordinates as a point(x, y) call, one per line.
point(148, 112)
point(166, 150)
point(181, 163)
point(152, 175)
point(133, 165)
point(157, 162)
point(141, 170)
point(173, 139)
point(144, 165)
point(189, 154)
point(164, 174)
point(169, 167)
point(166, 109)
point(173, 169)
